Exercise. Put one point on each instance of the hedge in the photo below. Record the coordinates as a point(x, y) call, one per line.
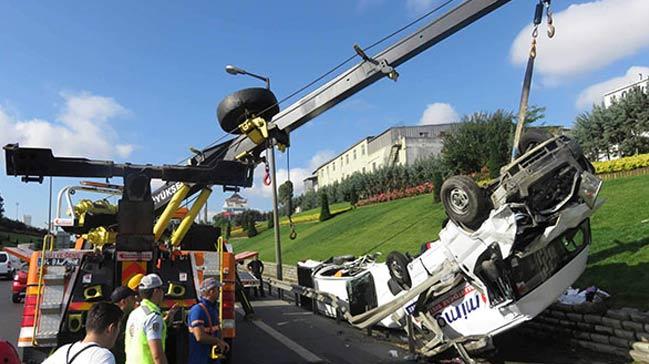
point(622, 164)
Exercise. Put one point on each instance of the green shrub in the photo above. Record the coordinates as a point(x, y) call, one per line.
point(325, 214)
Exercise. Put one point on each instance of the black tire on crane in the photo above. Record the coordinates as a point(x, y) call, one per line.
point(398, 266)
point(234, 109)
point(465, 202)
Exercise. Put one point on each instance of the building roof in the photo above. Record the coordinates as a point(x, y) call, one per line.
point(370, 138)
point(627, 86)
point(236, 198)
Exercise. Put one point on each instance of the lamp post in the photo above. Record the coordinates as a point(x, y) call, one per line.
point(233, 70)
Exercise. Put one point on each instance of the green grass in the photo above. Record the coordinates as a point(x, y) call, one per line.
point(396, 225)
point(619, 255)
point(619, 261)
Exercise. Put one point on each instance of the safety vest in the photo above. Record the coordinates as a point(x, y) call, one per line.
point(136, 344)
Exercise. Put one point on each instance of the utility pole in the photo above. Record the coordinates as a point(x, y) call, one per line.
point(273, 176)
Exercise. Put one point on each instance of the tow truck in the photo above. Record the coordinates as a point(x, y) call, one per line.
point(63, 284)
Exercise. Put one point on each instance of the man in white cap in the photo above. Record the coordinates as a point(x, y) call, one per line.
point(146, 330)
point(203, 324)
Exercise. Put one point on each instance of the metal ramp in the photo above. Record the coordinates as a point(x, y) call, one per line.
point(50, 306)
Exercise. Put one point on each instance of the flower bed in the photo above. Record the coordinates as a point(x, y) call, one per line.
point(622, 164)
point(397, 194)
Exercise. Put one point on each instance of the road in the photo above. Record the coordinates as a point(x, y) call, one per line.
point(10, 313)
point(284, 333)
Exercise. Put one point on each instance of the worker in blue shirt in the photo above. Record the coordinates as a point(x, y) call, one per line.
point(203, 324)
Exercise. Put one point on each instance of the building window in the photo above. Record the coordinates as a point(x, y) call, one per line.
point(347, 158)
point(333, 166)
point(362, 149)
point(423, 134)
point(363, 169)
point(354, 154)
point(374, 166)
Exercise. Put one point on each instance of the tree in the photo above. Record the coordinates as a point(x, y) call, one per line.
point(482, 139)
point(620, 129)
point(2, 206)
point(251, 230)
point(325, 214)
point(228, 230)
point(438, 179)
point(534, 113)
point(285, 196)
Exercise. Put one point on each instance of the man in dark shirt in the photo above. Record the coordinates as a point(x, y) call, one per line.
point(124, 298)
point(257, 269)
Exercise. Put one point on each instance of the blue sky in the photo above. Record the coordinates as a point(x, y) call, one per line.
point(140, 81)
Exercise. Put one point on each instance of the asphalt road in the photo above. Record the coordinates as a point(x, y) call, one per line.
point(10, 313)
point(284, 333)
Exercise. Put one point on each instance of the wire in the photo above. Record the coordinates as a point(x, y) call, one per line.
point(335, 68)
point(409, 25)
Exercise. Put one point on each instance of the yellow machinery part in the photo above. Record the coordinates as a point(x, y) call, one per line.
point(75, 322)
point(167, 214)
point(256, 129)
point(100, 236)
point(92, 292)
point(175, 290)
point(99, 207)
point(187, 221)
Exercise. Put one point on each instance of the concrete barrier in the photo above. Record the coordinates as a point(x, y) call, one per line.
point(622, 332)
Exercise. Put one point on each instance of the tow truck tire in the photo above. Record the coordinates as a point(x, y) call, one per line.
point(464, 201)
point(398, 266)
point(239, 106)
point(531, 138)
point(15, 298)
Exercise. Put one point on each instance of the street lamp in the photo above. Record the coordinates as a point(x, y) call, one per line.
point(234, 70)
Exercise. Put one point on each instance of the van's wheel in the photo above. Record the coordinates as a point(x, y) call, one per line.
point(531, 138)
point(398, 266)
point(464, 201)
point(241, 105)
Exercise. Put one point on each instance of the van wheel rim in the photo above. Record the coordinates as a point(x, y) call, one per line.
point(459, 201)
point(396, 270)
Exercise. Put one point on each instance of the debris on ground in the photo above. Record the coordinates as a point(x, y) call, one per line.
point(573, 296)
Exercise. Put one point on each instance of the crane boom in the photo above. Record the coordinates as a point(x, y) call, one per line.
point(366, 72)
point(220, 164)
point(347, 84)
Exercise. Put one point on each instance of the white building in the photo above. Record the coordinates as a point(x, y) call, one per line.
point(235, 204)
point(622, 91)
point(396, 146)
point(27, 220)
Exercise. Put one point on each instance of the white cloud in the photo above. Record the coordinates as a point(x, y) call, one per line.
point(594, 94)
point(82, 128)
point(439, 113)
point(320, 158)
point(588, 37)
